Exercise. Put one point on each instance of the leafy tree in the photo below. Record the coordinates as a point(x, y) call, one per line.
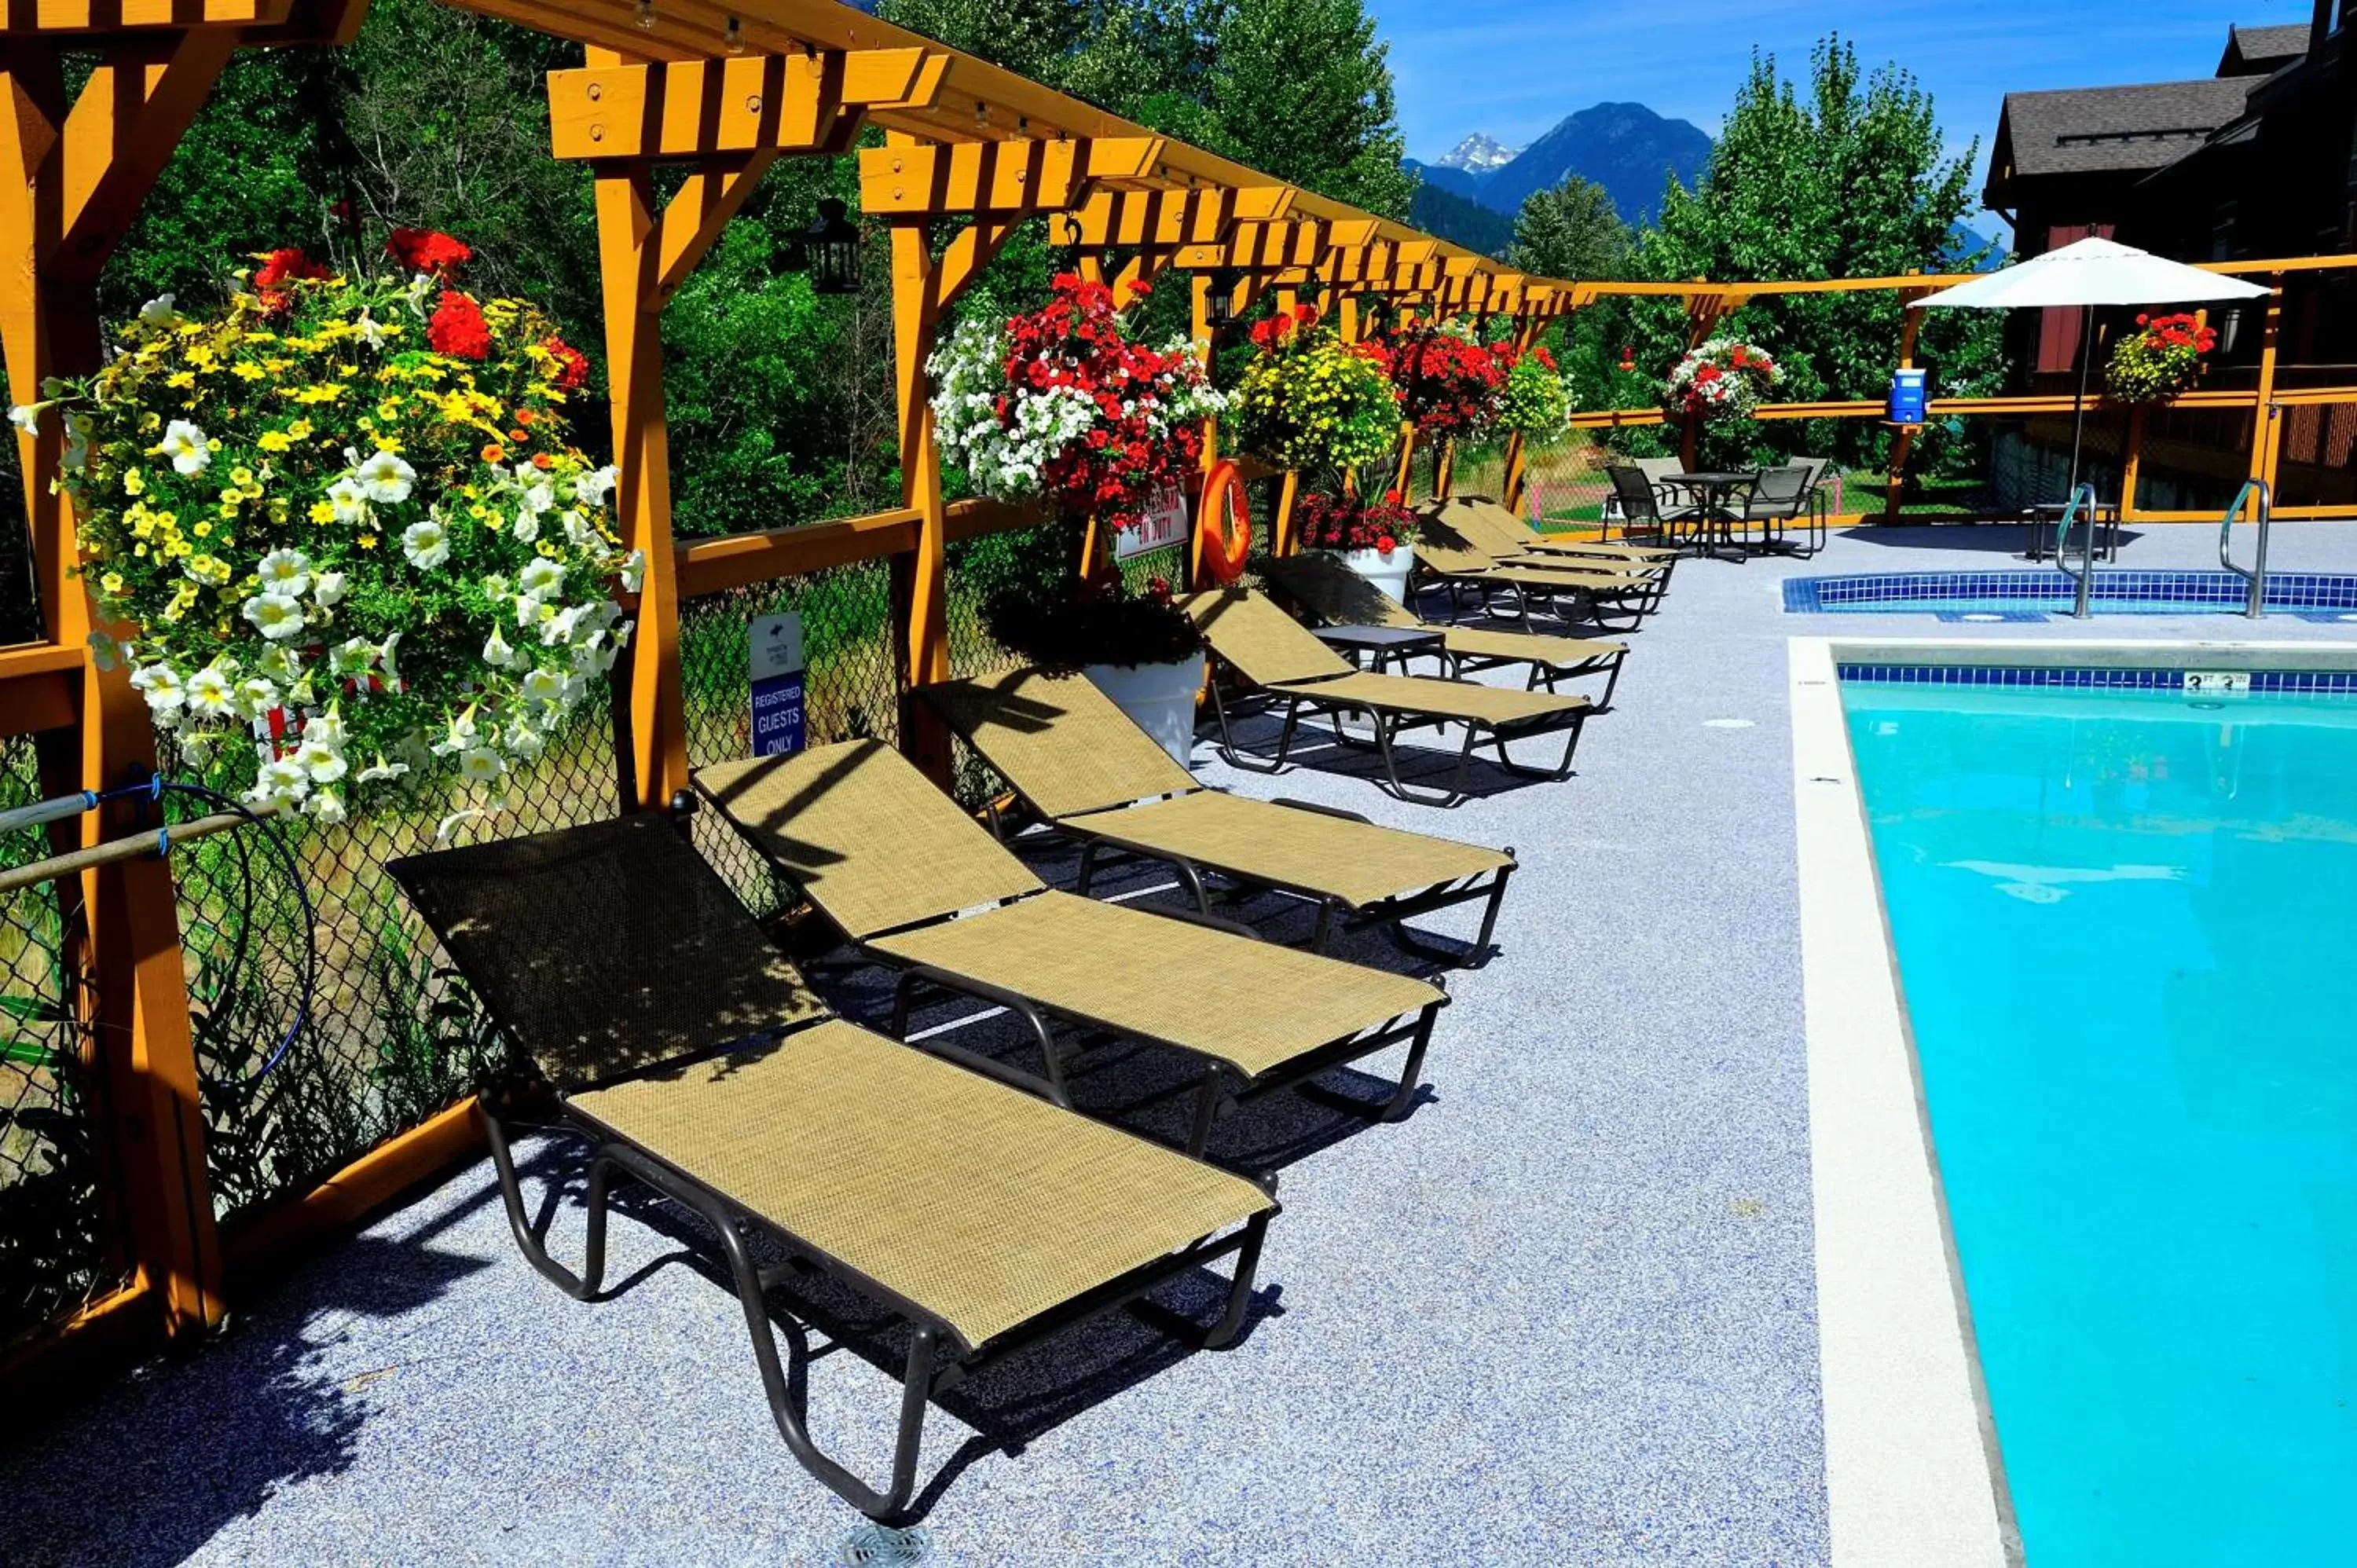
point(1304, 92)
point(1570, 232)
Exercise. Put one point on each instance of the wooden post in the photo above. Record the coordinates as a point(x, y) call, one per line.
point(1281, 542)
point(2265, 447)
point(2131, 464)
point(1407, 456)
point(70, 183)
point(920, 578)
point(1444, 469)
point(1903, 442)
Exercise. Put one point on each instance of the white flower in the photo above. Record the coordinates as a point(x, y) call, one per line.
point(160, 684)
point(260, 697)
point(328, 806)
point(352, 657)
point(385, 477)
point(529, 610)
point(212, 693)
point(427, 543)
point(634, 571)
point(419, 287)
point(281, 779)
point(480, 765)
point(577, 532)
point(539, 498)
point(592, 488)
point(527, 529)
point(197, 747)
point(348, 499)
point(542, 578)
point(186, 446)
point(524, 740)
point(286, 572)
point(496, 652)
point(385, 656)
point(323, 763)
point(544, 686)
point(275, 616)
point(328, 588)
point(77, 453)
point(372, 331)
point(158, 312)
point(380, 771)
point(461, 737)
point(27, 416)
point(328, 729)
point(559, 627)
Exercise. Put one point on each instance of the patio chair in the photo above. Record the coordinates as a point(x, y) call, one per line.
point(1089, 773)
point(1513, 531)
point(1779, 498)
point(1334, 593)
point(1265, 647)
point(660, 1026)
point(1612, 598)
point(1648, 506)
point(1820, 507)
point(913, 883)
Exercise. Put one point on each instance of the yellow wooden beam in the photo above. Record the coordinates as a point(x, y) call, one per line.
point(908, 180)
point(32, 18)
point(694, 109)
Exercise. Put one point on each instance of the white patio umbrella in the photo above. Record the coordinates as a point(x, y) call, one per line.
point(2089, 272)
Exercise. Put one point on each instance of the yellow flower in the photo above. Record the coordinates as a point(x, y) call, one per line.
point(389, 409)
point(181, 378)
point(275, 441)
point(132, 483)
point(113, 584)
point(201, 530)
point(322, 511)
point(246, 369)
point(240, 477)
point(300, 430)
point(324, 391)
point(366, 542)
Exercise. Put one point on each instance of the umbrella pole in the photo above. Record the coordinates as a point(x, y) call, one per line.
point(2079, 403)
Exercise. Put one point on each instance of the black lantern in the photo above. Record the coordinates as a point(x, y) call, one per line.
point(1221, 309)
point(829, 250)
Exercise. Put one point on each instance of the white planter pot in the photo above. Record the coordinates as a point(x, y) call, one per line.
point(1387, 573)
point(1158, 698)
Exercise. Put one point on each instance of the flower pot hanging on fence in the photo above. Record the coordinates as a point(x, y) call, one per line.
point(2162, 358)
point(1722, 379)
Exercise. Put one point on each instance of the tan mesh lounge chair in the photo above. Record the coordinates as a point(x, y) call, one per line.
point(1269, 649)
point(687, 1051)
point(1495, 526)
point(914, 883)
point(1340, 596)
point(1446, 555)
point(1090, 773)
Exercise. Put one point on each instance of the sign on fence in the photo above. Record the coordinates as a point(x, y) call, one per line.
point(777, 673)
point(1164, 525)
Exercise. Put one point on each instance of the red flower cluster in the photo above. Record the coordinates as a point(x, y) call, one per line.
point(279, 269)
point(1448, 386)
point(428, 251)
point(1279, 330)
point(1348, 523)
point(457, 328)
point(1076, 340)
point(572, 367)
point(2181, 331)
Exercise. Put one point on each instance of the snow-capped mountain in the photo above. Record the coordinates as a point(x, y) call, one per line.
point(1477, 154)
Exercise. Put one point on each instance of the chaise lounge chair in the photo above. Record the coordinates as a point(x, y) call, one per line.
point(666, 1031)
point(1268, 649)
point(1340, 596)
point(1492, 526)
point(913, 883)
point(1448, 557)
point(1093, 776)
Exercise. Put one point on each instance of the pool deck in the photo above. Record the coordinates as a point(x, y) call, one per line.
point(1565, 1312)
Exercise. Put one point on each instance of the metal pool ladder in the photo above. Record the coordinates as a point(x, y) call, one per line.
point(2081, 509)
point(2255, 599)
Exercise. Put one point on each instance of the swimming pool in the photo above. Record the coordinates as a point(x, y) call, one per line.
point(2124, 920)
point(2032, 595)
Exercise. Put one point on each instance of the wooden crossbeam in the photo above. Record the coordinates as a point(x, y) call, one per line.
point(1012, 178)
point(753, 104)
point(32, 18)
point(1181, 216)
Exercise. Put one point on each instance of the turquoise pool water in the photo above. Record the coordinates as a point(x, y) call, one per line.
point(2126, 929)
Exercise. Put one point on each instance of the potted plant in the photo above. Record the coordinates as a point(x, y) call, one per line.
point(1449, 386)
point(1725, 379)
point(341, 518)
point(2159, 362)
point(1376, 539)
point(1061, 407)
point(1309, 403)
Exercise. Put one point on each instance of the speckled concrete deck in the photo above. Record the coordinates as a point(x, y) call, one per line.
point(1563, 1314)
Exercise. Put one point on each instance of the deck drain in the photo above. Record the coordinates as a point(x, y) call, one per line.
point(1726, 724)
point(880, 1546)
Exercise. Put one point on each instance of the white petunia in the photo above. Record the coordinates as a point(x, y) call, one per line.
point(496, 652)
point(544, 686)
point(524, 740)
point(385, 477)
point(539, 498)
point(427, 544)
point(286, 571)
point(27, 416)
point(577, 532)
point(348, 499)
point(78, 429)
point(372, 330)
point(352, 656)
point(480, 765)
point(462, 735)
point(275, 616)
point(542, 578)
point(161, 685)
point(281, 779)
point(259, 697)
point(213, 693)
point(527, 528)
point(328, 806)
point(634, 571)
point(328, 588)
point(384, 655)
point(592, 488)
point(559, 627)
point(158, 312)
point(186, 446)
point(323, 763)
point(328, 729)
point(380, 771)
point(197, 747)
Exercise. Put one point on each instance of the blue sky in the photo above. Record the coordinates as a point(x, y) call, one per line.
point(1514, 67)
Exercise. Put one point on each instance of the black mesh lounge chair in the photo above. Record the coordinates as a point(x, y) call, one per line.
point(913, 883)
point(1575, 554)
point(662, 1027)
point(1779, 498)
point(1089, 773)
point(1266, 648)
point(1608, 595)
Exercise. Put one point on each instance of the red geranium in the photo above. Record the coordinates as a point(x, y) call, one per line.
point(457, 328)
point(572, 367)
point(428, 251)
point(279, 269)
point(1345, 522)
point(1449, 386)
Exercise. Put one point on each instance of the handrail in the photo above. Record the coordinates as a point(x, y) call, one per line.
point(2254, 599)
point(2085, 575)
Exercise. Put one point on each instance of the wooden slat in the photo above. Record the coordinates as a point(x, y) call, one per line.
point(39, 685)
point(26, 17)
point(1010, 177)
point(739, 560)
point(354, 1193)
point(703, 108)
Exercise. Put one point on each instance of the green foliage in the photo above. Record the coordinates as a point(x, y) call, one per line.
point(1570, 232)
point(1305, 92)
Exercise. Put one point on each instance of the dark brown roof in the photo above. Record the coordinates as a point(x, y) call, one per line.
point(2257, 52)
point(2096, 130)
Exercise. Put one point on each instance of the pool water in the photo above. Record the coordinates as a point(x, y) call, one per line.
point(2126, 931)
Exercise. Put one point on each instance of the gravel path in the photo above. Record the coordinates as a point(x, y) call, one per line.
point(1563, 1314)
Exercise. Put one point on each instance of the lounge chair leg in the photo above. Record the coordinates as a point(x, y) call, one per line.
point(1556, 774)
point(1399, 788)
point(1236, 758)
point(1612, 681)
point(1318, 938)
point(1412, 1071)
point(1088, 868)
point(1207, 1110)
point(1240, 1284)
point(582, 1286)
point(1489, 915)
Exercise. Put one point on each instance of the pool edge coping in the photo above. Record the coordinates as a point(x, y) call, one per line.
point(1912, 1470)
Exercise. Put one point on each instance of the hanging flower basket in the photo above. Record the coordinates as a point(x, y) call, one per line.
point(2161, 361)
point(1059, 405)
point(1725, 379)
point(342, 516)
point(1535, 404)
point(1312, 404)
point(1450, 387)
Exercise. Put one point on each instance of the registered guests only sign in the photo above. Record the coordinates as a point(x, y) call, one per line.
point(777, 685)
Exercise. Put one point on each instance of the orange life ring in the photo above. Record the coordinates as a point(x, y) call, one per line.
point(1222, 525)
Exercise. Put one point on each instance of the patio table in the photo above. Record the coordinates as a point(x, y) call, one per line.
point(2043, 516)
point(1715, 489)
point(1383, 645)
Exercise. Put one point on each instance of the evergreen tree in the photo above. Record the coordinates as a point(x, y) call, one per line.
point(1570, 232)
